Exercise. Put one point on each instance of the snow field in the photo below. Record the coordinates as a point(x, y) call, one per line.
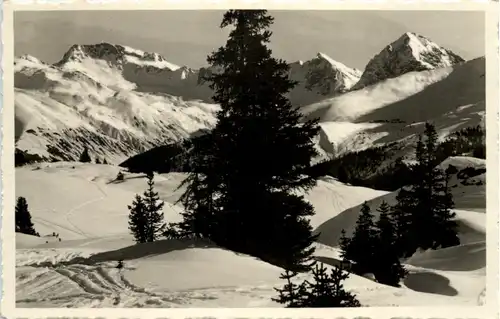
point(80, 270)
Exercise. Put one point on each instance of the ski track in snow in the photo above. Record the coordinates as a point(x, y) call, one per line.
point(75, 209)
point(104, 285)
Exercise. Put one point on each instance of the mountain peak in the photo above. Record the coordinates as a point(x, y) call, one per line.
point(339, 77)
point(410, 52)
point(335, 64)
point(321, 76)
point(116, 54)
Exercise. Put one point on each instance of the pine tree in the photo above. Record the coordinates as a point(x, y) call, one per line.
point(406, 210)
point(105, 162)
point(202, 187)
point(97, 161)
point(360, 248)
point(85, 156)
point(246, 170)
point(424, 215)
point(155, 221)
point(138, 220)
point(344, 243)
point(387, 268)
point(438, 201)
point(23, 218)
point(291, 294)
point(423, 211)
point(447, 227)
point(327, 290)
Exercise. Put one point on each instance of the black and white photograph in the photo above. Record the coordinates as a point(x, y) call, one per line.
point(250, 158)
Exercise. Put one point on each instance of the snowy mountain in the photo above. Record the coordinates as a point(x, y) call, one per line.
point(119, 101)
point(411, 52)
point(81, 101)
point(319, 78)
point(395, 109)
point(118, 55)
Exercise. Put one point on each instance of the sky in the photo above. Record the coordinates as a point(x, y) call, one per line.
point(187, 37)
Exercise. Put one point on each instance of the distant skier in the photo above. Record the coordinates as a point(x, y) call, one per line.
point(59, 239)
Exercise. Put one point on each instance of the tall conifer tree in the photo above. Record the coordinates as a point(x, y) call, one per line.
point(423, 211)
point(386, 266)
point(153, 205)
point(240, 192)
point(360, 248)
point(138, 220)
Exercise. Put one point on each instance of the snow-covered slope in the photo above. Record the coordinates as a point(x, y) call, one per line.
point(469, 195)
point(53, 191)
point(411, 52)
point(394, 110)
point(120, 101)
point(79, 270)
point(455, 271)
point(63, 109)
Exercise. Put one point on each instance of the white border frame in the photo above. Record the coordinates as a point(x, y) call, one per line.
point(490, 310)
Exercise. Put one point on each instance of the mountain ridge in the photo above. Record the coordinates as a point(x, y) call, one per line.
point(131, 100)
point(318, 77)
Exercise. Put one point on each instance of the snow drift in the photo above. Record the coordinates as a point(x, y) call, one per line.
point(79, 271)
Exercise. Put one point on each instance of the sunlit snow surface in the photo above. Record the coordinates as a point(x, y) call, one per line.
point(88, 209)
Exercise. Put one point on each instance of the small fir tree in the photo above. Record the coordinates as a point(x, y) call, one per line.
point(154, 207)
point(327, 290)
point(23, 218)
point(360, 247)
point(104, 161)
point(291, 294)
point(138, 220)
point(97, 161)
point(85, 156)
point(386, 266)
